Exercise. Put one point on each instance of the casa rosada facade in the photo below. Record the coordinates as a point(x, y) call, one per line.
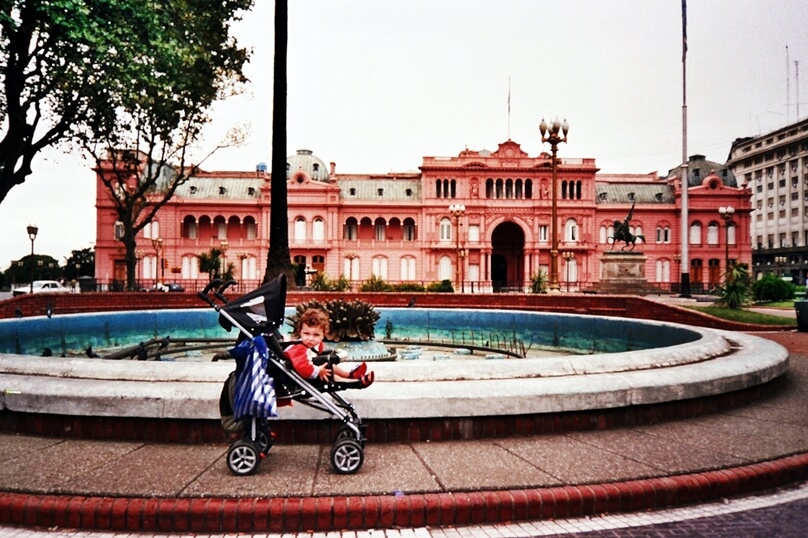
point(400, 228)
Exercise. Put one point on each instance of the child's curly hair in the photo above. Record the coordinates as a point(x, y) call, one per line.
point(313, 317)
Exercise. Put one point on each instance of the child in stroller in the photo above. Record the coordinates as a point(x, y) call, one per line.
point(265, 379)
point(309, 358)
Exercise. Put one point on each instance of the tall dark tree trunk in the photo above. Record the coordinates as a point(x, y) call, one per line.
point(278, 259)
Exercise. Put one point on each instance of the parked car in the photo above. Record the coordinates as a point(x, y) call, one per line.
point(41, 286)
point(172, 286)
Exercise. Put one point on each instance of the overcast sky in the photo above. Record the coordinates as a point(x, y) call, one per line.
point(376, 85)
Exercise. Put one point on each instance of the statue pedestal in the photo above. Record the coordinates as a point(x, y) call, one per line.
point(624, 273)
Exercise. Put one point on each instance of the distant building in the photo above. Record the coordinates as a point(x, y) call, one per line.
point(775, 167)
point(398, 226)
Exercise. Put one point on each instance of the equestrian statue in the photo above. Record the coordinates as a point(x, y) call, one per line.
point(622, 232)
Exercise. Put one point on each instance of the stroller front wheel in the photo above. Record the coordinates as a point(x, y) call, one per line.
point(243, 457)
point(347, 456)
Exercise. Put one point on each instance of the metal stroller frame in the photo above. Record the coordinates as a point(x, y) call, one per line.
point(261, 312)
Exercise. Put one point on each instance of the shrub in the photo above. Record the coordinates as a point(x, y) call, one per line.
point(772, 288)
point(321, 282)
point(354, 321)
point(538, 282)
point(375, 283)
point(409, 287)
point(736, 290)
point(444, 286)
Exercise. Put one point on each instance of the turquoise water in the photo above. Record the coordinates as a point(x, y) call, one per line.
point(73, 333)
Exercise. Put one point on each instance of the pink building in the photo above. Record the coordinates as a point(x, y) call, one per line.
point(399, 227)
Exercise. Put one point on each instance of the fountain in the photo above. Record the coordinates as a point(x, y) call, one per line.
point(612, 370)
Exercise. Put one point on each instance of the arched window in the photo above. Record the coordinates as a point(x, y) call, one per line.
point(409, 230)
point(380, 267)
point(445, 229)
point(249, 270)
point(189, 228)
point(149, 266)
point(249, 225)
point(318, 229)
point(489, 188)
point(695, 233)
point(380, 228)
point(663, 271)
point(528, 188)
point(571, 230)
point(508, 188)
point(151, 230)
point(300, 229)
point(603, 234)
point(350, 232)
point(498, 194)
point(190, 267)
point(445, 268)
point(731, 234)
point(221, 227)
point(350, 267)
point(407, 268)
point(712, 233)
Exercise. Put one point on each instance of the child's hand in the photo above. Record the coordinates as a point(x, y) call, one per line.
point(323, 372)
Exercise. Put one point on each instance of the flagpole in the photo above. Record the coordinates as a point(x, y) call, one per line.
point(509, 107)
point(685, 175)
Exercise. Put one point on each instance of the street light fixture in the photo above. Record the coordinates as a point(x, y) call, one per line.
point(550, 133)
point(457, 211)
point(780, 261)
point(32, 231)
point(726, 214)
point(568, 257)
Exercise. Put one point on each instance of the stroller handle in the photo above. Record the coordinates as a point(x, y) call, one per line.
point(204, 294)
point(219, 293)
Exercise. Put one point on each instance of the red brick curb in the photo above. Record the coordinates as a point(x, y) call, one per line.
point(296, 514)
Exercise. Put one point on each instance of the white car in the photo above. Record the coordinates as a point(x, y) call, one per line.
point(41, 286)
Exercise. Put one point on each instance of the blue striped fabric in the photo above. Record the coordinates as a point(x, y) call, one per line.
point(255, 389)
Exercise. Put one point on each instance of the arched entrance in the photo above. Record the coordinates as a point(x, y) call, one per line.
point(507, 257)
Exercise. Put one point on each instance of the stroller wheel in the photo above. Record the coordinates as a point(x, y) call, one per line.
point(347, 456)
point(243, 457)
point(347, 433)
point(264, 440)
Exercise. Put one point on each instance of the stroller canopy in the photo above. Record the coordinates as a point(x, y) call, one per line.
point(261, 310)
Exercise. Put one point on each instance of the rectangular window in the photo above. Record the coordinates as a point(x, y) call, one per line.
point(474, 233)
point(543, 232)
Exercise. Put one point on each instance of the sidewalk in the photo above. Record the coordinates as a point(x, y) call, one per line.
point(157, 487)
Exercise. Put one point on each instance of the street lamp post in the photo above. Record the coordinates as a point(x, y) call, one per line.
point(224, 244)
point(550, 133)
point(677, 258)
point(568, 257)
point(157, 243)
point(32, 231)
point(726, 214)
point(457, 211)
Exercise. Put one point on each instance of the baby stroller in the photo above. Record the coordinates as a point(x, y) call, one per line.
point(264, 379)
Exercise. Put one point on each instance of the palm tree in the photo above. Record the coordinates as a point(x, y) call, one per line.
point(278, 258)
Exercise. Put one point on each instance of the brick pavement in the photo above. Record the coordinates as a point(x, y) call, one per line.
point(481, 504)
